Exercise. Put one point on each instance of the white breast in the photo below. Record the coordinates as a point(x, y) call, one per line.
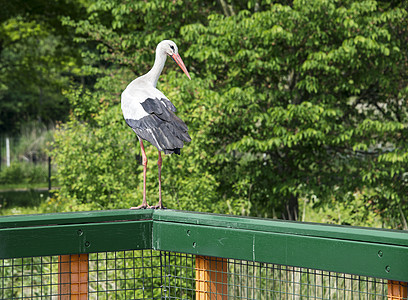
point(134, 94)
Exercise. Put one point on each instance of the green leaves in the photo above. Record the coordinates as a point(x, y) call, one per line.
point(36, 63)
point(286, 96)
point(286, 102)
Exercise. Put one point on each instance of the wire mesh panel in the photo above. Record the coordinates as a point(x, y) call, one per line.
point(29, 278)
point(255, 280)
point(125, 275)
point(110, 275)
point(149, 274)
point(252, 280)
point(179, 275)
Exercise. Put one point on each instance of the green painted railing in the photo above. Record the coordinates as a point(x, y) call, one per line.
point(361, 251)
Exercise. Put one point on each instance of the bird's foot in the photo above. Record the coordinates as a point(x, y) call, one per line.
point(158, 206)
point(142, 206)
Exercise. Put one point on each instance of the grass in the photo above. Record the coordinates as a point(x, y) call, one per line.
point(27, 173)
point(21, 211)
point(27, 198)
point(22, 202)
point(23, 186)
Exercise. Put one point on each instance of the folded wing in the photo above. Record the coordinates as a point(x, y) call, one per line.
point(159, 125)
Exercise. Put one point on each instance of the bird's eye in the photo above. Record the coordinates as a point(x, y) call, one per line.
point(172, 47)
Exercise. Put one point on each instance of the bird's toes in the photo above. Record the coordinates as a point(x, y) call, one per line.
point(157, 206)
point(142, 206)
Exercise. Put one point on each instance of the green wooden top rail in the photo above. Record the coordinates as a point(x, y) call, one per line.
point(355, 250)
point(74, 218)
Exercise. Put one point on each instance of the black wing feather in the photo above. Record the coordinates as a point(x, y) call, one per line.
point(161, 127)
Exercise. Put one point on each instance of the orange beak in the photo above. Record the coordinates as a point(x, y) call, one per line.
point(176, 57)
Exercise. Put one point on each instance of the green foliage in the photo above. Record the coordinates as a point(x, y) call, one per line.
point(22, 202)
point(33, 142)
point(37, 60)
point(352, 209)
point(29, 156)
point(24, 173)
point(311, 97)
point(287, 100)
point(86, 169)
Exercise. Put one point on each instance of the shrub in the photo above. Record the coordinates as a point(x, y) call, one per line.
point(22, 172)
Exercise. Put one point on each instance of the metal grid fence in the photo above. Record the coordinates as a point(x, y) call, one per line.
point(240, 279)
point(28, 278)
point(149, 274)
point(167, 254)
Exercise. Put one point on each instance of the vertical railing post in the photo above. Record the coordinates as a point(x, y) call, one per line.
point(64, 277)
point(7, 152)
point(49, 173)
point(211, 278)
point(73, 277)
point(397, 290)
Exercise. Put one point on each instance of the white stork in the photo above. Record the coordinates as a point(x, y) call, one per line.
point(152, 116)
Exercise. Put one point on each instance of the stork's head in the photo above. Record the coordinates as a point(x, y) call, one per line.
point(170, 48)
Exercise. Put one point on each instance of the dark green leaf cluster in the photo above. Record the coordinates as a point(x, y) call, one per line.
point(37, 61)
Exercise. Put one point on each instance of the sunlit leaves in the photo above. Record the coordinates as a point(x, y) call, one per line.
point(286, 77)
point(286, 100)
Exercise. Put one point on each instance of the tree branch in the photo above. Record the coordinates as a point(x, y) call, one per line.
point(227, 9)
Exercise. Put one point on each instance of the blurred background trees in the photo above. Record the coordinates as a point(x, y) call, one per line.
point(297, 109)
point(37, 62)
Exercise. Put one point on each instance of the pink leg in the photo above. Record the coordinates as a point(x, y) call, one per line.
point(159, 163)
point(144, 162)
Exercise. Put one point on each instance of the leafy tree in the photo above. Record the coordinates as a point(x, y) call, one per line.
point(123, 47)
point(37, 61)
point(289, 100)
point(314, 95)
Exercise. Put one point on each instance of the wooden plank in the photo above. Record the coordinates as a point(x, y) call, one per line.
point(397, 290)
point(384, 236)
point(19, 221)
point(64, 277)
point(363, 234)
point(75, 239)
point(211, 278)
point(336, 255)
point(73, 277)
